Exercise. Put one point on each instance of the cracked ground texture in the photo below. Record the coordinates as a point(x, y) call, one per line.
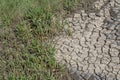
point(92, 52)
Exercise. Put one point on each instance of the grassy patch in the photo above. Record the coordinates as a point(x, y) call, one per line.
point(25, 29)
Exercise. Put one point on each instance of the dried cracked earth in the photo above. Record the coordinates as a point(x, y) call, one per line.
point(92, 52)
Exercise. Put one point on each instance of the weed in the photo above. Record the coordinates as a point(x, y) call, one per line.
point(25, 29)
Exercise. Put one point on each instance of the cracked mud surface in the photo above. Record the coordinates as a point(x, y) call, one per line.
point(93, 50)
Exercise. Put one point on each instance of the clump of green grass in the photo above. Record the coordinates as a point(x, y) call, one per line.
point(25, 29)
point(25, 57)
